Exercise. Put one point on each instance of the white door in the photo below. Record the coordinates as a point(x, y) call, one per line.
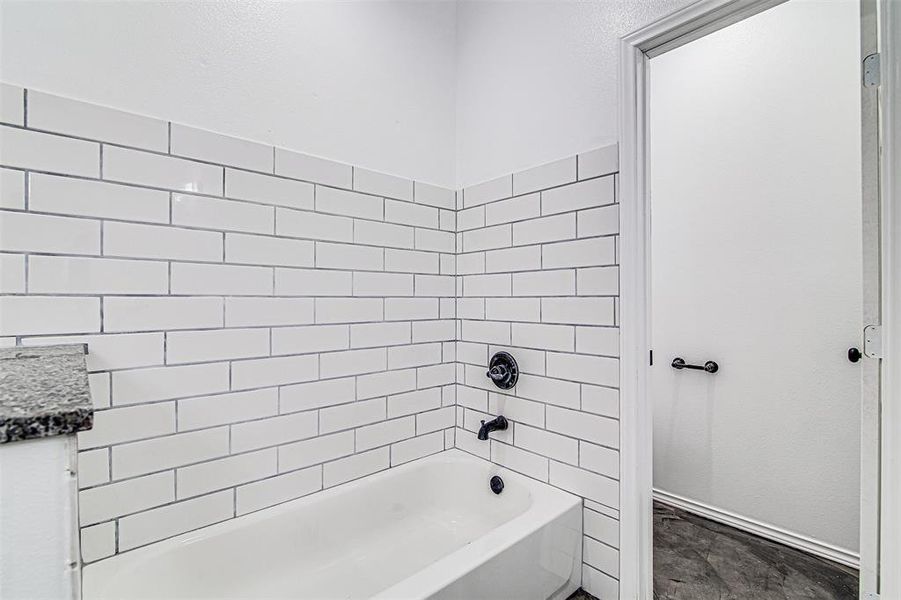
point(756, 264)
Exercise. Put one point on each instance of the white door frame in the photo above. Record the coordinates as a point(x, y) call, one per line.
point(636, 419)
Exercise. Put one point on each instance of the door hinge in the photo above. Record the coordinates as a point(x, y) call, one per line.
point(872, 73)
point(872, 341)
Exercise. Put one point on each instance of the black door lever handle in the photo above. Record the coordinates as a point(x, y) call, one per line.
point(709, 366)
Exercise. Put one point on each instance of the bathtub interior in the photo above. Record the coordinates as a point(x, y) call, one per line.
point(351, 541)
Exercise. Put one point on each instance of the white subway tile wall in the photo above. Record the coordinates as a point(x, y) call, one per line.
point(261, 324)
point(538, 277)
point(264, 324)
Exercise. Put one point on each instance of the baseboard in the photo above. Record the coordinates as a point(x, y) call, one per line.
point(764, 530)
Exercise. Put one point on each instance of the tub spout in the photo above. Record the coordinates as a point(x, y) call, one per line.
point(496, 424)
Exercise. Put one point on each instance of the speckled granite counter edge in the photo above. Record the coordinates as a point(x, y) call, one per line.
point(44, 392)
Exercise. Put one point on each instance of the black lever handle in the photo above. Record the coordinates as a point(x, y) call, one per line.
point(709, 366)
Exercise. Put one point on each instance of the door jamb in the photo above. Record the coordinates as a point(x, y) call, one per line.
point(636, 419)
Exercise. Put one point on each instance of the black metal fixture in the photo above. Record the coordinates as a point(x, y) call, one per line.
point(503, 370)
point(709, 366)
point(497, 484)
point(495, 424)
point(854, 354)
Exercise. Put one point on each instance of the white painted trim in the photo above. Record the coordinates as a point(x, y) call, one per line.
point(890, 122)
point(636, 418)
point(762, 529)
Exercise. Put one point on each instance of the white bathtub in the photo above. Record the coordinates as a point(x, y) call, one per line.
point(428, 529)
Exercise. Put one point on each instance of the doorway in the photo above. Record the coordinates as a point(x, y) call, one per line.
point(756, 266)
point(754, 246)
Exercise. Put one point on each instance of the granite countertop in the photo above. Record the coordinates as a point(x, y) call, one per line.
point(44, 392)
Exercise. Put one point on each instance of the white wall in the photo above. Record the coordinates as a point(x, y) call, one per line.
point(755, 162)
point(367, 83)
point(537, 81)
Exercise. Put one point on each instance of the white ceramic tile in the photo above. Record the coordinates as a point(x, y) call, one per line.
point(547, 229)
point(435, 375)
point(489, 332)
point(416, 355)
point(354, 204)
point(313, 168)
point(315, 226)
point(602, 161)
point(12, 104)
point(411, 214)
point(268, 189)
point(592, 428)
point(413, 448)
point(348, 310)
point(164, 383)
point(71, 275)
point(516, 409)
point(12, 188)
point(93, 467)
point(513, 259)
point(597, 340)
point(226, 280)
point(153, 241)
point(315, 451)
point(600, 400)
point(218, 148)
point(411, 261)
point(83, 119)
point(384, 433)
point(599, 370)
point(275, 490)
point(498, 236)
point(12, 273)
point(317, 338)
point(25, 232)
point(226, 215)
point(274, 431)
point(246, 312)
point(519, 460)
point(226, 472)
point(601, 527)
point(487, 285)
point(101, 395)
point(354, 467)
point(383, 184)
point(584, 483)
point(585, 194)
point(154, 170)
point(46, 152)
point(111, 350)
point(316, 394)
point(545, 283)
point(34, 315)
point(147, 314)
point(435, 241)
point(348, 256)
point(67, 195)
point(109, 501)
point(386, 382)
point(382, 284)
point(222, 344)
point(128, 424)
point(545, 176)
point(599, 221)
point(487, 191)
point(313, 282)
point(473, 263)
point(582, 253)
point(267, 250)
point(352, 362)
point(98, 541)
point(548, 444)
point(221, 409)
point(587, 311)
point(550, 391)
point(433, 420)
point(167, 521)
point(376, 233)
point(262, 372)
point(433, 331)
point(599, 459)
point(513, 309)
point(162, 453)
point(601, 557)
point(598, 281)
point(414, 402)
point(434, 195)
point(367, 335)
